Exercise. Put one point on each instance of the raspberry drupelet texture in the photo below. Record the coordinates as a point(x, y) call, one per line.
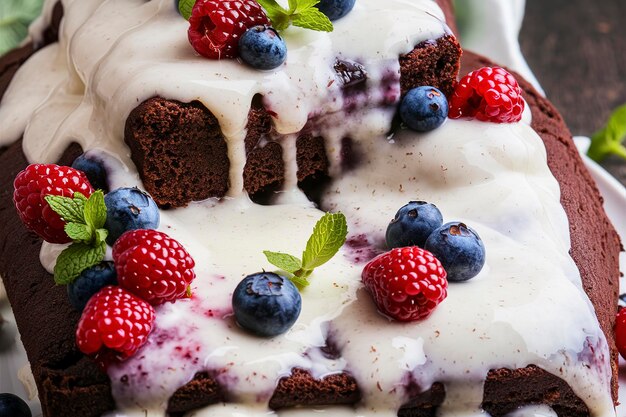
point(215, 26)
point(37, 181)
point(116, 322)
point(153, 266)
point(406, 283)
point(489, 94)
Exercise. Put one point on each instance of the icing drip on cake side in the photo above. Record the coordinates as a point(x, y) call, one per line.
point(526, 307)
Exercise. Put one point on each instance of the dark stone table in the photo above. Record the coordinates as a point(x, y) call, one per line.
point(577, 50)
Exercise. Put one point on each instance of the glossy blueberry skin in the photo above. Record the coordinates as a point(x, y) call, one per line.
point(262, 48)
point(335, 9)
point(459, 249)
point(424, 109)
point(266, 304)
point(13, 406)
point(94, 170)
point(89, 282)
point(129, 209)
point(413, 224)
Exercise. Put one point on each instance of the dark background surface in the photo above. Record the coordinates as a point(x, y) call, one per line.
point(577, 50)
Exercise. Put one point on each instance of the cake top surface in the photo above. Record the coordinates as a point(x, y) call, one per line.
point(527, 305)
point(122, 52)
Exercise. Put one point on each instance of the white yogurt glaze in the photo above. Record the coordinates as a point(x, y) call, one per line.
point(526, 307)
point(534, 411)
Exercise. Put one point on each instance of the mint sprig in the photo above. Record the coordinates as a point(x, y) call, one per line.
point(85, 219)
point(301, 13)
point(610, 139)
point(329, 234)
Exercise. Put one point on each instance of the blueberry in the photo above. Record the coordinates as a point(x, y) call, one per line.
point(129, 209)
point(459, 249)
point(266, 304)
point(13, 406)
point(413, 224)
point(94, 170)
point(335, 9)
point(262, 48)
point(424, 109)
point(89, 282)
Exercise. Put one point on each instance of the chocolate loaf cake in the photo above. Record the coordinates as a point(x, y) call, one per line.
point(183, 153)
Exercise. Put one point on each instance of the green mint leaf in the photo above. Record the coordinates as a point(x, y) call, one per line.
point(78, 232)
point(70, 209)
point(85, 217)
point(302, 5)
point(301, 13)
point(80, 196)
point(277, 14)
point(283, 261)
point(329, 234)
point(281, 22)
point(101, 235)
point(609, 140)
point(313, 19)
point(185, 7)
point(75, 259)
point(15, 16)
point(95, 210)
point(300, 282)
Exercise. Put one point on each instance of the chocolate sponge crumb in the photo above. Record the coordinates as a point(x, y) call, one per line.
point(508, 389)
point(179, 151)
point(301, 388)
point(433, 63)
point(424, 404)
point(264, 171)
point(201, 391)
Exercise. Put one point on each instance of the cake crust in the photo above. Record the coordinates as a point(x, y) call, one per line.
point(595, 245)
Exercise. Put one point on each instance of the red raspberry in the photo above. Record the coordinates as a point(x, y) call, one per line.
point(620, 331)
point(487, 94)
point(114, 324)
point(216, 25)
point(153, 266)
point(33, 184)
point(406, 283)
